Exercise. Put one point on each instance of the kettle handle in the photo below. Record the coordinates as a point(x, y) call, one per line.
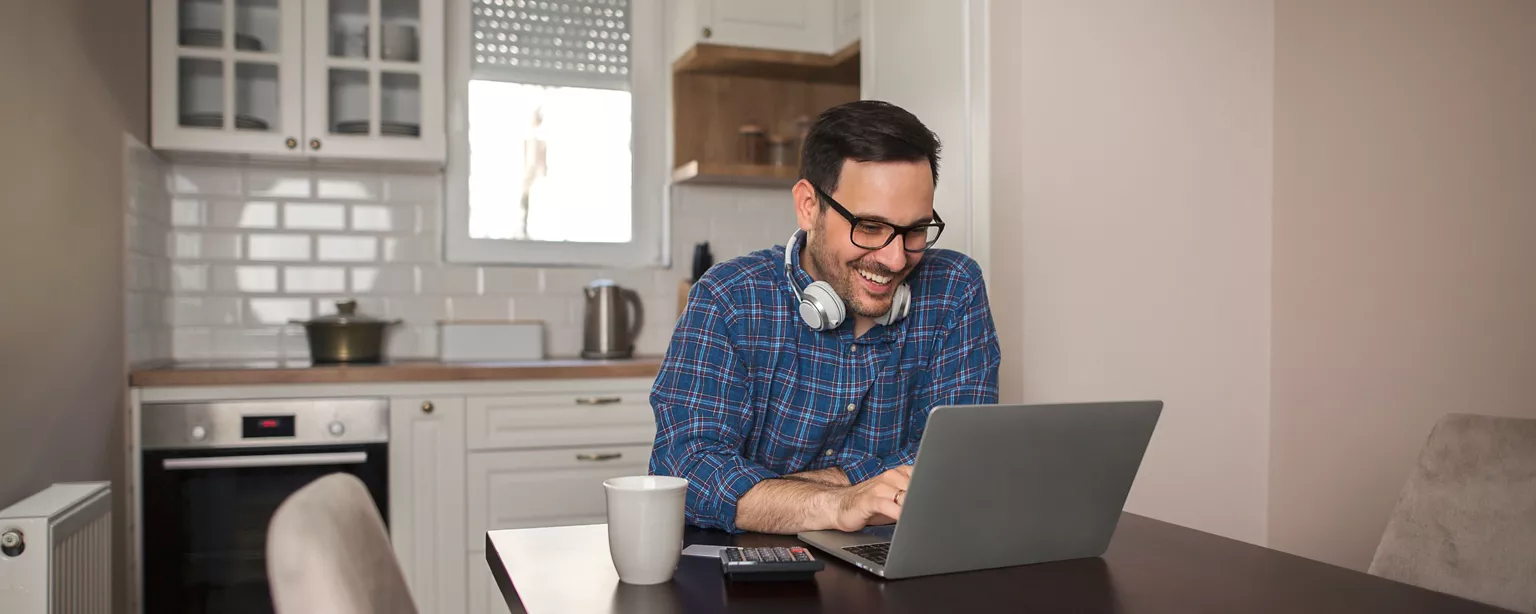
point(633, 298)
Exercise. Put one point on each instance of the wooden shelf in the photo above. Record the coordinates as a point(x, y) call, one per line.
point(715, 173)
point(705, 58)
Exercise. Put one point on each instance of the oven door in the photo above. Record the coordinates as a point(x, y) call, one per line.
point(206, 514)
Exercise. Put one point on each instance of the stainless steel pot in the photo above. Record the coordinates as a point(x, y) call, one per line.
point(346, 336)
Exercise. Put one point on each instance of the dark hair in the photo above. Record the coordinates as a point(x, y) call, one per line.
point(865, 131)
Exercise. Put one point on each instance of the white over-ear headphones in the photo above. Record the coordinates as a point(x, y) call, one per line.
point(822, 309)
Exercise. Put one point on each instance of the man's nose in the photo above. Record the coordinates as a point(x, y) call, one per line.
point(893, 256)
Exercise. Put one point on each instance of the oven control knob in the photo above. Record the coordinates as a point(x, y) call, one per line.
point(337, 428)
point(199, 433)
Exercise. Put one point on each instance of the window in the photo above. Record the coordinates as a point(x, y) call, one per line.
point(556, 132)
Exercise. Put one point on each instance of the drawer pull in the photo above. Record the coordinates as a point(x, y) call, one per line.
point(598, 400)
point(605, 456)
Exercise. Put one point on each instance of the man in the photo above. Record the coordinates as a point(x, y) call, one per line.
point(780, 427)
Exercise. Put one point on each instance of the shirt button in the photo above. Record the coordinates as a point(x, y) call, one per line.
point(852, 407)
point(829, 453)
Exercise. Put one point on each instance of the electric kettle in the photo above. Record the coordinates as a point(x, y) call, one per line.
point(613, 320)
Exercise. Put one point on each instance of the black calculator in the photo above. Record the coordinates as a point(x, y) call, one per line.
point(769, 564)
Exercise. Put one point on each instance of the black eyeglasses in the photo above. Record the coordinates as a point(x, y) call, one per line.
point(875, 234)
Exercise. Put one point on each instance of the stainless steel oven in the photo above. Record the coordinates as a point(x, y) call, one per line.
point(213, 474)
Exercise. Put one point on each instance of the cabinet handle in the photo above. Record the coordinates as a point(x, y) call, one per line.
point(598, 400)
point(292, 142)
point(314, 144)
point(427, 407)
point(708, 33)
point(605, 456)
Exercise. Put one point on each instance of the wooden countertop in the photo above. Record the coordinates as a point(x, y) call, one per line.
point(299, 372)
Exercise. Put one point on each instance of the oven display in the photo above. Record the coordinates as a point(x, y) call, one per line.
point(266, 426)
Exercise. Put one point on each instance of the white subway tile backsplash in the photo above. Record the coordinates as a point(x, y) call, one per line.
point(254, 279)
point(205, 311)
point(413, 188)
point(337, 248)
point(512, 280)
point(315, 216)
point(281, 183)
point(189, 278)
point(359, 186)
point(417, 311)
point(187, 212)
point(551, 311)
point(380, 218)
point(310, 280)
point(278, 247)
point(205, 246)
point(442, 280)
point(217, 180)
point(375, 237)
point(276, 311)
point(191, 343)
point(384, 280)
point(242, 214)
point(479, 308)
point(410, 249)
point(248, 342)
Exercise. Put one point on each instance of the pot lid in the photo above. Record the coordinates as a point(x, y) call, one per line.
point(346, 313)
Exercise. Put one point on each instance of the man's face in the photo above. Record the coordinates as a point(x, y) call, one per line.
point(896, 192)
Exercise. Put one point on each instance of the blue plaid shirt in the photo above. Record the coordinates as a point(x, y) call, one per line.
point(748, 392)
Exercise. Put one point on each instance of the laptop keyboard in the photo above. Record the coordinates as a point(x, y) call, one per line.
point(873, 552)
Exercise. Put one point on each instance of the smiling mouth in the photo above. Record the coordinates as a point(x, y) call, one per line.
point(875, 283)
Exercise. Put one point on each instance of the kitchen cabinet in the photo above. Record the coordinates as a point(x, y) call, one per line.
point(426, 498)
point(785, 25)
point(315, 79)
point(847, 26)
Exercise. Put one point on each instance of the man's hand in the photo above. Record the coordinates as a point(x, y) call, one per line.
point(875, 501)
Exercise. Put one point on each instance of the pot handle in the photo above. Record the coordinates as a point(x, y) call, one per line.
point(639, 316)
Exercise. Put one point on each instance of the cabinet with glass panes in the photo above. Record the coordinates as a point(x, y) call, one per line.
point(327, 79)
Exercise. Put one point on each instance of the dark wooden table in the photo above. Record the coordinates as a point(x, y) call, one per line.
point(1151, 567)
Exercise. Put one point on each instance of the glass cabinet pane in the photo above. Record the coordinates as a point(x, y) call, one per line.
point(258, 25)
point(349, 102)
point(399, 32)
point(200, 101)
point(257, 100)
point(200, 23)
point(400, 105)
point(348, 31)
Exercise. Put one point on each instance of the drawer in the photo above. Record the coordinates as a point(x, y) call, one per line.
point(551, 420)
point(545, 488)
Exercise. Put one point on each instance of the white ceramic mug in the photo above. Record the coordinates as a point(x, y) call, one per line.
point(645, 526)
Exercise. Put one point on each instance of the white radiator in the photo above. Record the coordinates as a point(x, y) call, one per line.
point(56, 551)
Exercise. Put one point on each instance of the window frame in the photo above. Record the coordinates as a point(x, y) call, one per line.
point(649, 81)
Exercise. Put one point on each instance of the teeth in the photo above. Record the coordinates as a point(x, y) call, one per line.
point(879, 279)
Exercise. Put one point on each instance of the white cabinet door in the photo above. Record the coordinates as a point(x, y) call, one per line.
point(545, 488)
point(227, 76)
point(373, 79)
point(789, 25)
point(929, 58)
point(846, 23)
point(426, 499)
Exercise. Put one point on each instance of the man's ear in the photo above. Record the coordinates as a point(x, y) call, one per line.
point(807, 205)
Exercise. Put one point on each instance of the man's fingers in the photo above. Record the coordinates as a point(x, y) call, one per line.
point(905, 470)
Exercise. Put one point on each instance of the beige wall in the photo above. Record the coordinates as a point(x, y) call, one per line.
point(1131, 202)
point(73, 81)
point(1405, 211)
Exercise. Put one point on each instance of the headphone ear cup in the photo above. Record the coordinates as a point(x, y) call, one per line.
point(901, 303)
point(820, 294)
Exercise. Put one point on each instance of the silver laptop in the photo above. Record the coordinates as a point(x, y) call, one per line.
point(1003, 485)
